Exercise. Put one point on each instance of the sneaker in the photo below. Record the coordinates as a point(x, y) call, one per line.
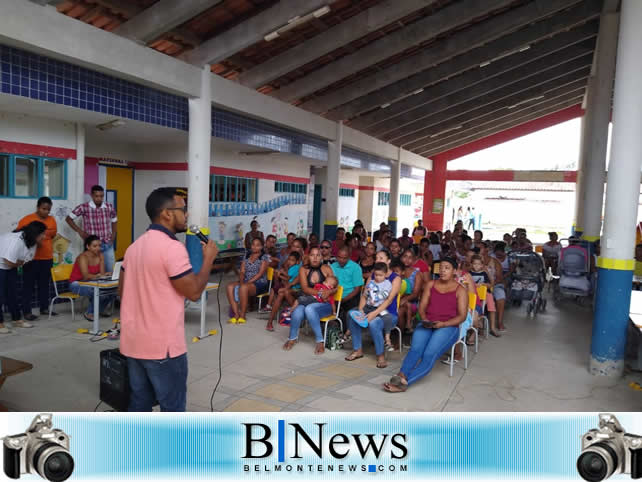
point(29, 317)
point(4, 330)
point(22, 324)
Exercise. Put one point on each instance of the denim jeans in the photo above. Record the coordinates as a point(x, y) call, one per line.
point(36, 272)
point(313, 313)
point(108, 252)
point(427, 345)
point(88, 291)
point(376, 332)
point(8, 293)
point(163, 381)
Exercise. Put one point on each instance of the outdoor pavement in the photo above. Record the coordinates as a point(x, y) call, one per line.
point(540, 364)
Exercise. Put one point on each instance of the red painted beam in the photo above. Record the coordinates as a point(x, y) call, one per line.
point(512, 133)
point(503, 176)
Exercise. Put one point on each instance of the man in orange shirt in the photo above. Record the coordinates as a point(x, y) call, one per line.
point(39, 270)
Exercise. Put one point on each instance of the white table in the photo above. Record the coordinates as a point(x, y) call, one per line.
point(97, 285)
point(210, 287)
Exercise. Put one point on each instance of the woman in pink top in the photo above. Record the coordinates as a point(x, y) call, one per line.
point(89, 265)
point(445, 304)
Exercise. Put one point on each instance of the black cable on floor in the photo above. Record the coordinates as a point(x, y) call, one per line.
point(220, 344)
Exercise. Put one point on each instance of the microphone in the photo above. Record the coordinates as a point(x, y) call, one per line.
point(197, 231)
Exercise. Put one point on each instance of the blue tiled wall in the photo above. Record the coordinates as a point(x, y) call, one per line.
point(41, 78)
point(253, 132)
point(37, 77)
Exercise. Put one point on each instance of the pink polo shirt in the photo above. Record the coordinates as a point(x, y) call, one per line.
point(152, 312)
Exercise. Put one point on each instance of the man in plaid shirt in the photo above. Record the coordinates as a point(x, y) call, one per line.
point(99, 218)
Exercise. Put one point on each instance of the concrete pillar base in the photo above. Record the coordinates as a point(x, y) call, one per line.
point(330, 231)
point(392, 223)
point(194, 249)
point(611, 318)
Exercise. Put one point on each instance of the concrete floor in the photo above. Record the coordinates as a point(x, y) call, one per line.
point(538, 365)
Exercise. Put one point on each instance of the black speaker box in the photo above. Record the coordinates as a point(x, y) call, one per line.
point(114, 380)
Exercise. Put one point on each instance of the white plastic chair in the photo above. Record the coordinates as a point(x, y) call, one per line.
point(466, 325)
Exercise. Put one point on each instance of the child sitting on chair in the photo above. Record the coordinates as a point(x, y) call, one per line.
point(377, 291)
point(480, 276)
point(289, 274)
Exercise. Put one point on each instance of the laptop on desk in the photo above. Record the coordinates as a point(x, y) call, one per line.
point(114, 275)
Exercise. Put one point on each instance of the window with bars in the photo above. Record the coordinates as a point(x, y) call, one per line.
point(383, 199)
point(293, 187)
point(346, 192)
point(233, 189)
point(405, 199)
point(32, 176)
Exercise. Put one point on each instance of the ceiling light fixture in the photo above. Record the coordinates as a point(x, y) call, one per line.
point(110, 125)
point(446, 130)
point(296, 21)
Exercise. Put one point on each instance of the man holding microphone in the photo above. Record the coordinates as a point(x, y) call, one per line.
point(156, 278)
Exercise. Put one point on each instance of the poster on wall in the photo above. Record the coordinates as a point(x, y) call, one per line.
point(230, 221)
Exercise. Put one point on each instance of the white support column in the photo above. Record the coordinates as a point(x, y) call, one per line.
point(395, 176)
point(331, 193)
point(580, 183)
point(199, 155)
point(597, 118)
point(79, 192)
point(616, 263)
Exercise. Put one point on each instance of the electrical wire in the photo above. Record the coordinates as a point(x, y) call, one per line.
point(220, 344)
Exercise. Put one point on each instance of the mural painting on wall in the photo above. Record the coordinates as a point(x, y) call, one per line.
point(229, 222)
point(345, 223)
point(62, 245)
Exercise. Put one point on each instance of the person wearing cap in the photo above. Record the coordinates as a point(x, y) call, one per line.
point(443, 307)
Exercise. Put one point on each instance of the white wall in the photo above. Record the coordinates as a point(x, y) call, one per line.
point(29, 129)
point(407, 215)
point(348, 206)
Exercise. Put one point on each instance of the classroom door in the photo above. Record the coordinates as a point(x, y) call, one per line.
point(120, 187)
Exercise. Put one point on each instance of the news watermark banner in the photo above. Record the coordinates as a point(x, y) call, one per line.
point(321, 446)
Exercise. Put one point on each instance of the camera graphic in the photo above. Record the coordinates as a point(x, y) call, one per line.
point(41, 449)
point(609, 450)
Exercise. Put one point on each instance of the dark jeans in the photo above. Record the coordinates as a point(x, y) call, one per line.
point(9, 293)
point(347, 306)
point(36, 272)
point(164, 381)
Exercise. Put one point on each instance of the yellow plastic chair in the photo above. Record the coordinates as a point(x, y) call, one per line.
point(62, 273)
point(435, 270)
point(417, 238)
point(270, 277)
point(472, 302)
point(539, 249)
point(335, 316)
point(482, 293)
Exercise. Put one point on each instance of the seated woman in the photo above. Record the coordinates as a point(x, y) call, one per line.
point(414, 283)
point(424, 252)
point(551, 252)
point(444, 304)
point(368, 260)
point(311, 274)
point(289, 276)
point(252, 281)
point(356, 250)
point(375, 322)
point(90, 265)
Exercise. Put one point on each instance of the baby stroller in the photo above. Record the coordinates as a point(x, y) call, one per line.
point(574, 272)
point(527, 281)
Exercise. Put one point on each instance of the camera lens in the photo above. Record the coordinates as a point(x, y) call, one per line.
point(596, 463)
point(58, 467)
point(53, 462)
point(592, 467)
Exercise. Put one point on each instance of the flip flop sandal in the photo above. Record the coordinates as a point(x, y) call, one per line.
point(382, 364)
point(496, 335)
point(387, 388)
point(269, 328)
point(91, 320)
point(352, 357)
